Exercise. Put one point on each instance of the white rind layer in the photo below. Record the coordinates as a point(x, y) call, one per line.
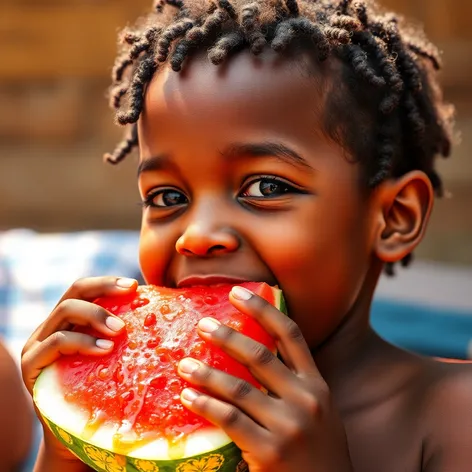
point(50, 401)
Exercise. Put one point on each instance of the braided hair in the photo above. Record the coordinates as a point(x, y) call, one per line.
point(389, 72)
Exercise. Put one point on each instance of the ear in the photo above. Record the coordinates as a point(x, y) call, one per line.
point(403, 208)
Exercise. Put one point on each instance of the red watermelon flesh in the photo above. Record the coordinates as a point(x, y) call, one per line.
point(136, 385)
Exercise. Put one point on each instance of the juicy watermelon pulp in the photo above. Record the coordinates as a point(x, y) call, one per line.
point(134, 392)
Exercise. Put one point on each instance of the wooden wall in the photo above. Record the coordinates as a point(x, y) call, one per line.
point(56, 57)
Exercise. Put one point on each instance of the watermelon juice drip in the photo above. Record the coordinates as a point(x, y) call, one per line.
point(136, 386)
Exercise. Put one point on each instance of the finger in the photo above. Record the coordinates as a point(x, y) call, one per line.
point(228, 388)
point(276, 377)
point(60, 343)
point(73, 312)
point(75, 308)
point(245, 433)
point(285, 331)
point(91, 288)
point(68, 312)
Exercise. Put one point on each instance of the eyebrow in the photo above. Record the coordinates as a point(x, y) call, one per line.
point(234, 151)
point(266, 149)
point(153, 164)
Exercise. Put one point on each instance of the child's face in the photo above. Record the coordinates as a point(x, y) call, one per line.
point(243, 185)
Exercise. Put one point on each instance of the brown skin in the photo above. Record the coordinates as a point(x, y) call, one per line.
point(15, 415)
point(343, 399)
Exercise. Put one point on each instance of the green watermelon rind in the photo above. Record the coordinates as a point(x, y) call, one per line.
point(281, 305)
point(225, 459)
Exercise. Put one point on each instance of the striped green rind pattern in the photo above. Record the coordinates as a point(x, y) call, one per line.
point(225, 459)
point(281, 305)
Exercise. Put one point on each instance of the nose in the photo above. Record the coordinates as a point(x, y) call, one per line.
point(202, 241)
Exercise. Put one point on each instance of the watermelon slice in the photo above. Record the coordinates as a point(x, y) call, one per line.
point(122, 412)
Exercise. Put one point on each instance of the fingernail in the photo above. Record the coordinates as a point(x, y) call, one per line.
point(125, 283)
point(189, 394)
point(241, 293)
point(104, 344)
point(188, 366)
point(115, 324)
point(208, 325)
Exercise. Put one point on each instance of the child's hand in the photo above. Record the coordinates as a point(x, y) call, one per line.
point(55, 337)
point(294, 427)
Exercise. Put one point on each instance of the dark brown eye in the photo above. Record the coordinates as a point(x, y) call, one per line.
point(267, 188)
point(166, 198)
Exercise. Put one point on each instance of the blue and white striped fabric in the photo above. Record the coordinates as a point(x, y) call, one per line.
point(426, 308)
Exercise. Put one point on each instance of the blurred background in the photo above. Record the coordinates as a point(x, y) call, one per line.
point(55, 124)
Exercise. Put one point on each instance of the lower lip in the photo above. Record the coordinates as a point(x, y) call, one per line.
point(210, 280)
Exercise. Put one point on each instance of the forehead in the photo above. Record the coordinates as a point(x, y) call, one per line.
point(268, 93)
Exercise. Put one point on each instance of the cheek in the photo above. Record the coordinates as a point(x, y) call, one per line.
point(155, 251)
point(322, 255)
point(321, 265)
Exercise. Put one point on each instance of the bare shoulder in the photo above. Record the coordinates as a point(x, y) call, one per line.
point(15, 413)
point(447, 415)
point(448, 386)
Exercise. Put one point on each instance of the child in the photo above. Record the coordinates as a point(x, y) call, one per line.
point(306, 159)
